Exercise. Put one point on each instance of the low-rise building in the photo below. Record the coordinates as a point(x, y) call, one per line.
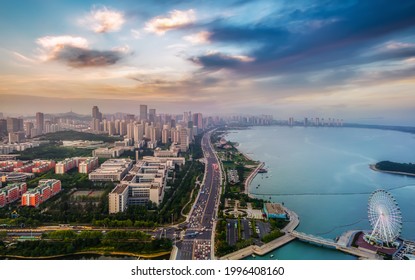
point(35, 166)
point(87, 165)
point(12, 193)
point(46, 189)
point(110, 152)
point(84, 164)
point(166, 153)
point(111, 170)
point(65, 165)
point(146, 182)
point(170, 161)
point(274, 211)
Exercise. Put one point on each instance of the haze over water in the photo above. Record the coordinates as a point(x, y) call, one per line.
point(323, 175)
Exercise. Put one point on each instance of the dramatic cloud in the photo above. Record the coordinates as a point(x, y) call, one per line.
point(216, 60)
point(177, 19)
point(74, 51)
point(104, 20)
point(315, 37)
point(198, 38)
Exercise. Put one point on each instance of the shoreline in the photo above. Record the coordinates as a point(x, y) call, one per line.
point(251, 176)
point(373, 167)
point(274, 244)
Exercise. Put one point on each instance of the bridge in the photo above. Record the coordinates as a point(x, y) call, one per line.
point(342, 244)
point(314, 239)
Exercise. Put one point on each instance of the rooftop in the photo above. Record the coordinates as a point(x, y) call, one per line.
point(274, 208)
point(119, 189)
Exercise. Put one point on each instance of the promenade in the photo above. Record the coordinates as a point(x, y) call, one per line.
point(251, 177)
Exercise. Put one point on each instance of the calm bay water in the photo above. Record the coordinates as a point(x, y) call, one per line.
point(323, 175)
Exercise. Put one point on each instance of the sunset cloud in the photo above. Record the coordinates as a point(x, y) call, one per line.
point(176, 19)
point(198, 38)
point(75, 52)
point(104, 20)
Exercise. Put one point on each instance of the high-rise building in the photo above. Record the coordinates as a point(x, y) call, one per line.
point(111, 128)
point(13, 125)
point(40, 122)
point(3, 127)
point(143, 113)
point(198, 121)
point(138, 132)
point(96, 119)
point(48, 128)
point(175, 135)
point(123, 128)
point(152, 115)
point(28, 126)
point(130, 130)
point(165, 136)
point(96, 114)
point(184, 139)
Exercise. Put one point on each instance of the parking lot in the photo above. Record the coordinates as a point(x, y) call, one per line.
point(254, 229)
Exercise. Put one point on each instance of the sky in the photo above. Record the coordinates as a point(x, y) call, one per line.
point(353, 60)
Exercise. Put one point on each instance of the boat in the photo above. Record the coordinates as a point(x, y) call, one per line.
point(253, 255)
point(272, 256)
point(262, 170)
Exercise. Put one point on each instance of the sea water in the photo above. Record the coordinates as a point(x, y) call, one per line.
point(323, 174)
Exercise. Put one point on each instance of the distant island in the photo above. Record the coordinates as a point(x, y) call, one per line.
point(394, 168)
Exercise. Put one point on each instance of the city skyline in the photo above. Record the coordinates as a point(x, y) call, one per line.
point(284, 59)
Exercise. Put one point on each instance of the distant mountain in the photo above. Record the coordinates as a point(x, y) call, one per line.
point(71, 114)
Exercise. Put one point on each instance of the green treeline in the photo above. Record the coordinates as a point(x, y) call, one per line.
point(72, 135)
point(53, 152)
point(272, 235)
point(68, 242)
point(396, 167)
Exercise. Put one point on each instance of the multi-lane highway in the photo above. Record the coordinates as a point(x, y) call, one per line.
point(198, 237)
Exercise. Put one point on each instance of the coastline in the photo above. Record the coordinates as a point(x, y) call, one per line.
point(274, 244)
point(373, 167)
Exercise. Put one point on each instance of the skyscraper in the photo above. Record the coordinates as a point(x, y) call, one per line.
point(198, 121)
point(152, 115)
point(3, 127)
point(184, 139)
point(13, 125)
point(143, 113)
point(138, 132)
point(96, 114)
point(96, 119)
point(40, 121)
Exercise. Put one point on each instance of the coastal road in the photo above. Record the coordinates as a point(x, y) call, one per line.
point(198, 237)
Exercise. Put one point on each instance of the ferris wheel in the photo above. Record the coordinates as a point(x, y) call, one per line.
point(384, 217)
